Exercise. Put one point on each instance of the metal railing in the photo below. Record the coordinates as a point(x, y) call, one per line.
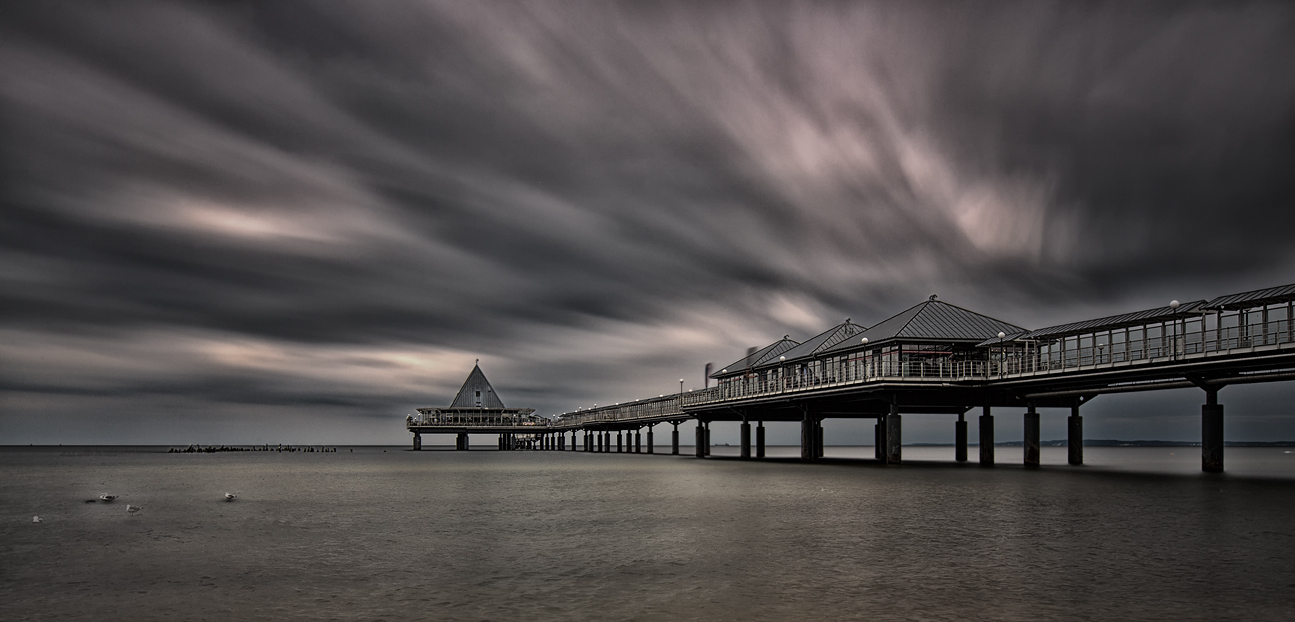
point(1014, 364)
point(475, 420)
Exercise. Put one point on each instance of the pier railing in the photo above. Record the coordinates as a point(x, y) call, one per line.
point(1004, 362)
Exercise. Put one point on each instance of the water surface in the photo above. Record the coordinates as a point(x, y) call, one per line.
point(1138, 533)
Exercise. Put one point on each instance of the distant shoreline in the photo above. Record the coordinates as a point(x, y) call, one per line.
point(331, 448)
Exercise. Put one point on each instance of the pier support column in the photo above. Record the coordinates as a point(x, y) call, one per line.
point(808, 437)
point(1212, 433)
point(960, 439)
point(1031, 436)
point(638, 442)
point(650, 445)
point(879, 442)
point(462, 444)
point(620, 446)
point(759, 440)
point(674, 440)
point(598, 440)
point(1075, 436)
point(745, 435)
point(707, 438)
point(987, 437)
point(818, 437)
point(701, 439)
point(607, 442)
point(894, 436)
point(562, 442)
point(418, 442)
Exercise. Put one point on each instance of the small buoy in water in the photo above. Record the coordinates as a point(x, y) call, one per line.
point(229, 496)
point(35, 519)
point(133, 508)
point(107, 497)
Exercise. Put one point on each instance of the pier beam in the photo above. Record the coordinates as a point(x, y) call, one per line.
point(746, 440)
point(1212, 433)
point(674, 440)
point(987, 437)
point(759, 440)
point(418, 442)
point(894, 436)
point(650, 450)
point(701, 440)
point(960, 439)
point(1031, 436)
point(1075, 436)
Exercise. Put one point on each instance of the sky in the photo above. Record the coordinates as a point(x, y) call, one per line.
point(297, 222)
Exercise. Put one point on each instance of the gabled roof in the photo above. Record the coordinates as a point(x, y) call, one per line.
point(476, 385)
point(1136, 318)
point(822, 341)
point(762, 355)
point(932, 320)
point(1257, 298)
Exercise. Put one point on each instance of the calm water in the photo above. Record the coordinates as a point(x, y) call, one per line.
point(483, 535)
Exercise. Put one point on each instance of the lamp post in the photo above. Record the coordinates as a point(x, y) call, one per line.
point(1002, 357)
point(1173, 344)
point(782, 372)
point(866, 359)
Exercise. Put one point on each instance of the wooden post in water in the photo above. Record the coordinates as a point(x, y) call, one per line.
point(894, 436)
point(879, 445)
point(987, 437)
point(1031, 436)
point(818, 438)
point(807, 436)
point(960, 438)
point(1212, 433)
point(1075, 436)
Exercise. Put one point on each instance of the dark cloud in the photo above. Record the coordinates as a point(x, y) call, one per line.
point(335, 208)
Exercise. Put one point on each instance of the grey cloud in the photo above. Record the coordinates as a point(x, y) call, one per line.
point(597, 197)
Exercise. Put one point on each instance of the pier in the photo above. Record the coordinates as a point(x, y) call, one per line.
point(936, 358)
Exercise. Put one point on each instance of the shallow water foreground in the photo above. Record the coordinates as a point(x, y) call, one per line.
point(489, 535)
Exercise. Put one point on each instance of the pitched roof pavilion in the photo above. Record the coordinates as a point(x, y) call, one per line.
point(476, 392)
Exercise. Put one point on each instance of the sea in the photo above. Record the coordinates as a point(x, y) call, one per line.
point(385, 533)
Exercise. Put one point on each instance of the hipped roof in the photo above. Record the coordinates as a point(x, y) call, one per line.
point(758, 357)
point(933, 320)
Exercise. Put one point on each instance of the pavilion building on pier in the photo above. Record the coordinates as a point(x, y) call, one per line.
point(476, 406)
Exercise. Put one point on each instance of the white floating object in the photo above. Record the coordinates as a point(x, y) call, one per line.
point(133, 508)
point(35, 519)
point(229, 496)
point(107, 497)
